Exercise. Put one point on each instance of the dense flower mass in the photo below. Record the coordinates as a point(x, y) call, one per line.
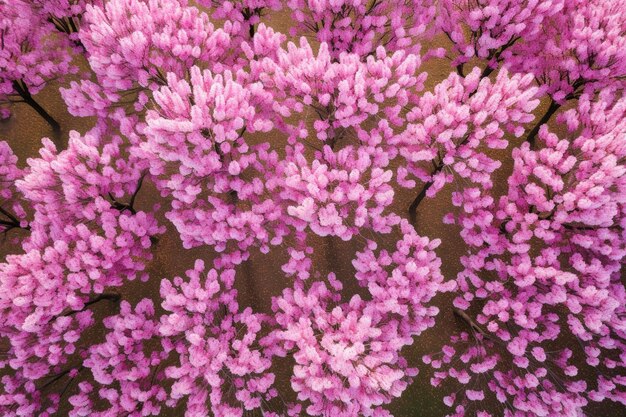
point(29, 56)
point(313, 208)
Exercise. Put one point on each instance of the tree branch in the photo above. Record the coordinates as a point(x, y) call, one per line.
point(467, 319)
point(113, 297)
point(23, 92)
point(532, 136)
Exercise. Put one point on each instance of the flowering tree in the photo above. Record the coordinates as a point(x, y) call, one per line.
point(568, 196)
point(495, 26)
point(359, 26)
point(29, 57)
point(65, 15)
point(570, 47)
point(210, 133)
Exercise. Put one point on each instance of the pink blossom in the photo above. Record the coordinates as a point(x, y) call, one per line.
point(204, 322)
point(359, 26)
point(29, 57)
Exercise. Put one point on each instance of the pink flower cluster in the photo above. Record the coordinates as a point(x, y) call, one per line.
point(566, 200)
point(360, 26)
point(494, 26)
point(242, 145)
point(198, 131)
point(131, 45)
point(125, 368)
point(579, 49)
point(331, 196)
point(347, 359)
point(82, 242)
point(29, 57)
point(451, 126)
point(217, 345)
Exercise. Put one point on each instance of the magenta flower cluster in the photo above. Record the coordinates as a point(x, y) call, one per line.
point(210, 128)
